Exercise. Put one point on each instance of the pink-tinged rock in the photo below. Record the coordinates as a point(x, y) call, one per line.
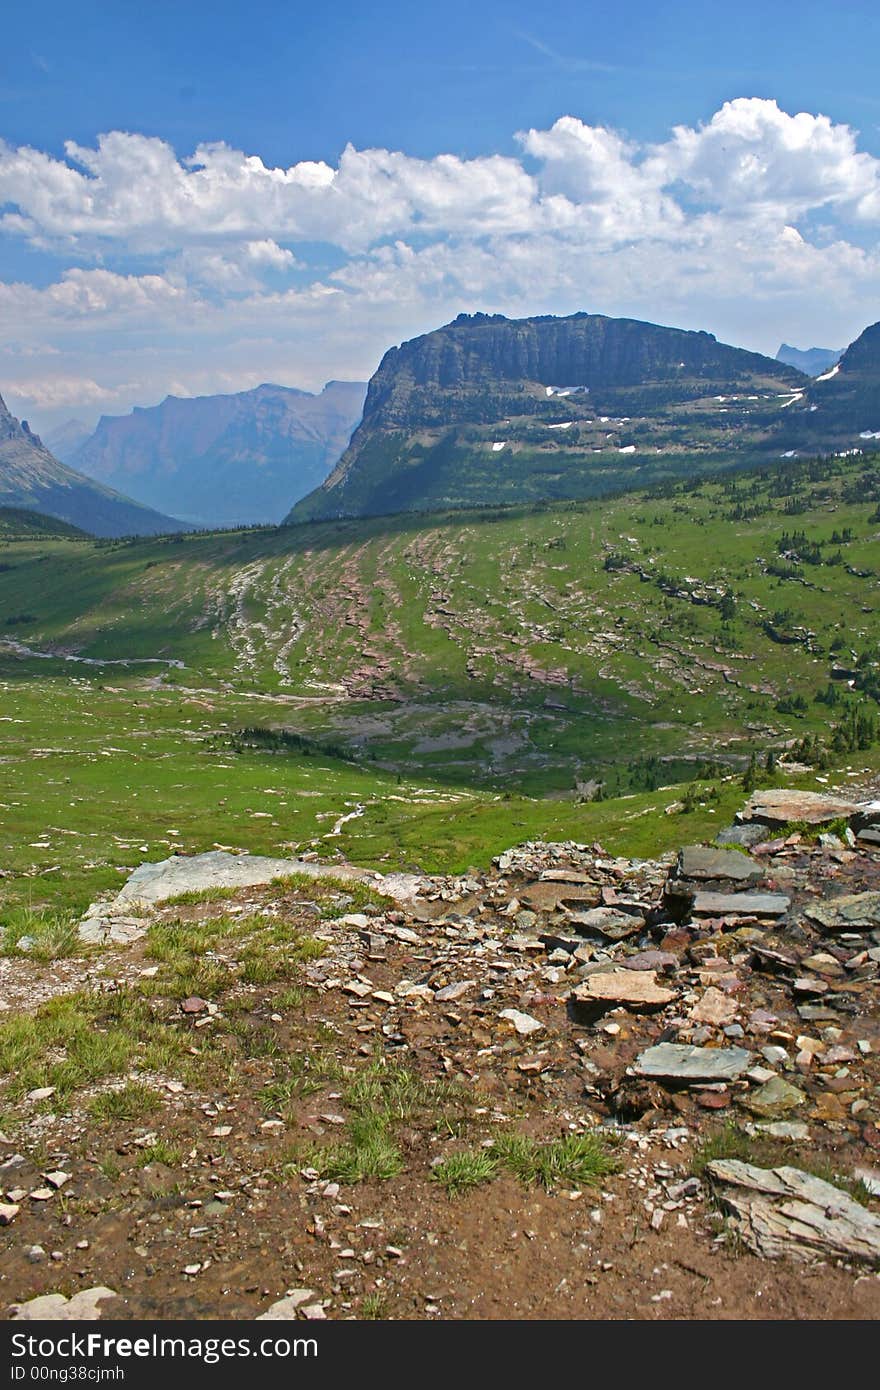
point(635, 989)
point(778, 806)
point(714, 1007)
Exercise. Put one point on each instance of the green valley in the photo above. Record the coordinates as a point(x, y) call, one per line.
point(429, 690)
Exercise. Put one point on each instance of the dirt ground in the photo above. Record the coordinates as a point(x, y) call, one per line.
point(213, 1204)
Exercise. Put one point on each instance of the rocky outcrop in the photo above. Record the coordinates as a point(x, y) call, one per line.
point(617, 379)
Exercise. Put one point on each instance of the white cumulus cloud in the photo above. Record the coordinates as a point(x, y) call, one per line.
point(198, 270)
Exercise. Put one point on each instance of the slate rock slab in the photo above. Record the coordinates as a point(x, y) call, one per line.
point(153, 883)
point(779, 806)
point(707, 904)
point(100, 928)
point(680, 1062)
point(785, 1212)
point(745, 835)
point(850, 912)
point(609, 922)
point(775, 1098)
point(702, 863)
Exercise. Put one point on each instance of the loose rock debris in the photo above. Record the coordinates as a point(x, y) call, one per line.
point(656, 1004)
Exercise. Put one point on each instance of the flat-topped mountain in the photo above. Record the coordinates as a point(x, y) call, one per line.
point(31, 477)
point(813, 361)
point(225, 460)
point(493, 409)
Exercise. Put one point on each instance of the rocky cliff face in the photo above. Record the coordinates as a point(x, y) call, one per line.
point(31, 477)
point(226, 460)
point(556, 401)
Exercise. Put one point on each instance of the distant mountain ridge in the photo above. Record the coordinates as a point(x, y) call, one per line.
point(494, 409)
point(32, 478)
point(227, 459)
point(812, 360)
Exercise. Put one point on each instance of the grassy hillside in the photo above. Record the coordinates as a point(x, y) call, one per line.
point(18, 523)
point(447, 679)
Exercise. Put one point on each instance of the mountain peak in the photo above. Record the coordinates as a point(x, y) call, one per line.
point(488, 408)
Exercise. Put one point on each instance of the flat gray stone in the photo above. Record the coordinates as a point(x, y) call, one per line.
point(782, 1212)
point(609, 922)
point(103, 929)
point(702, 863)
point(850, 912)
point(781, 806)
point(745, 835)
point(775, 1098)
point(154, 883)
point(707, 904)
point(870, 835)
point(679, 1062)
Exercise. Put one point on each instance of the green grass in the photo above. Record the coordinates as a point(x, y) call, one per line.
point(651, 688)
point(39, 934)
point(80, 1039)
point(131, 1102)
point(200, 895)
point(374, 1306)
point(160, 1152)
point(369, 1153)
point(380, 1097)
point(576, 1160)
point(462, 1171)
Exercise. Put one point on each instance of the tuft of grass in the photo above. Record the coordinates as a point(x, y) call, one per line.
point(291, 998)
point(80, 1039)
point(461, 1171)
point(39, 934)
point(370, 1153)
point(160, 1152)
point(324, 889)
point(200, 895)
point(374, 1306)
point(380, 1097)
point(577, 1160)
point(302, 1074)
point(732, 1142)
point(130, 1102)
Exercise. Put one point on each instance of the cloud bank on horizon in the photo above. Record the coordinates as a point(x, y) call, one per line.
point(215, 272)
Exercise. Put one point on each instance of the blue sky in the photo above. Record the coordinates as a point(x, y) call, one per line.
point(631, 158)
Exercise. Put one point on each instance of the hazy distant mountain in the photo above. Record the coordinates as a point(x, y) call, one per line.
point(31, 477)
point(813, 360)
point(489, 409)
point(64, 440)
point(840, 410)
point(226, 460)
